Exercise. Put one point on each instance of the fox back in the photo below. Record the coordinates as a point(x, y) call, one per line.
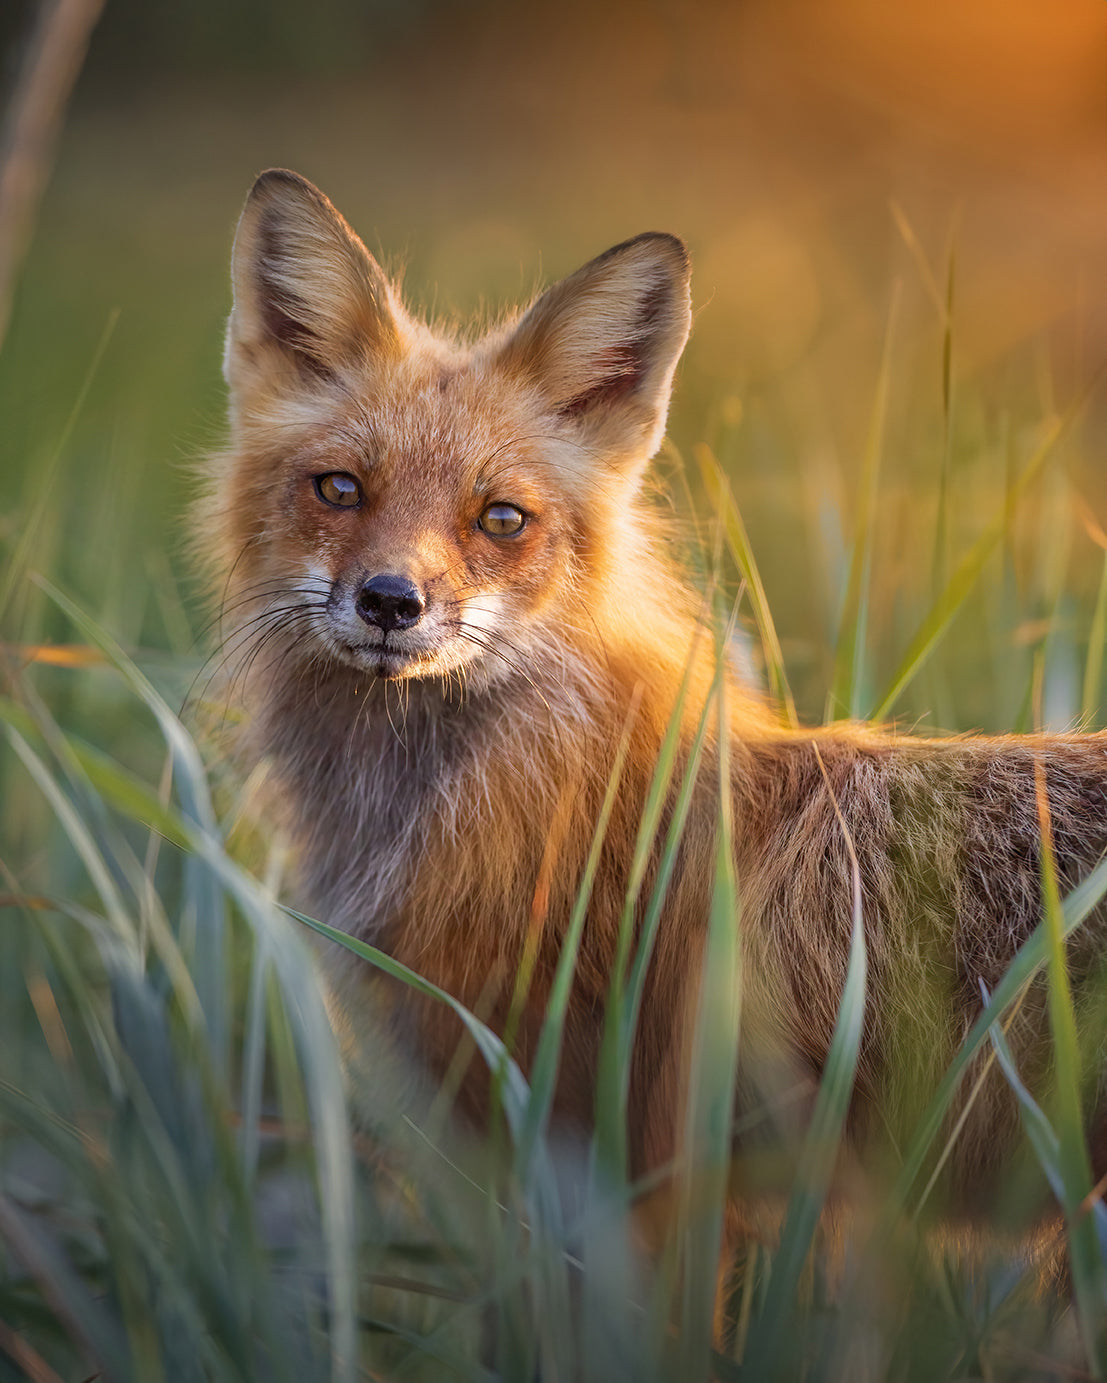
point(447, 604)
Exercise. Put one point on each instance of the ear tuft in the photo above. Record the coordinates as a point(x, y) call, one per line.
point(602, 345)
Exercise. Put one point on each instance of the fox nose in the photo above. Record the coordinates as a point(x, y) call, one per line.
point(390, 602)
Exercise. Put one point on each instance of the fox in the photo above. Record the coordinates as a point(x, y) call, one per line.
point(457, 625)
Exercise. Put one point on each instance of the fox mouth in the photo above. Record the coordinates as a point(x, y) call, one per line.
point(391, 664)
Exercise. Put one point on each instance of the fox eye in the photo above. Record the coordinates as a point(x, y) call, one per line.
point(339, 489)
point(502, 520)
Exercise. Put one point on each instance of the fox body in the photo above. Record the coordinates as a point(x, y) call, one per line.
point(446, 600)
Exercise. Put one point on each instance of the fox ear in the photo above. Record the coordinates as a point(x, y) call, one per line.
point(307, 293)
point(601, 346)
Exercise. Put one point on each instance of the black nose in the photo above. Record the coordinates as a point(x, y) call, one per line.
point(390, 602)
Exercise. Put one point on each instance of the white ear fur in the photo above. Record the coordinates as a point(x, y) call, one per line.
point(601, 346)
point(307, 292)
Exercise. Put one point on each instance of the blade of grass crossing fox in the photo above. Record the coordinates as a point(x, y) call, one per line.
point(514, 1095)
point(768, 1354)
point(941, 614)
point(322, 1082)
point(739, 544)
point(703, 1174)
point(1093, 665)
point(488, 1044)
point(666, 1276)
point(1085, 1258)
point(1030, 957)
point(635, 989)
point(609, 1140)
point(544, 1069)
point(612, 1333)
point(531, 1169)
point(314, 1038)
point(846, 687)
point(1073, 1163)
point(1039, 1131)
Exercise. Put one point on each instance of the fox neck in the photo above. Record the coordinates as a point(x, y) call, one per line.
point(374, 777)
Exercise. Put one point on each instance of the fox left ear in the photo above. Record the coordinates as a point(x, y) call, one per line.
point(601, 346)
point(309, 298)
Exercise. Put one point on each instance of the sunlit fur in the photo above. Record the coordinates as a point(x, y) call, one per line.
point(441, 791)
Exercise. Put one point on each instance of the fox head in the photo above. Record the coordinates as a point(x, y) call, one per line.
point(411, 506)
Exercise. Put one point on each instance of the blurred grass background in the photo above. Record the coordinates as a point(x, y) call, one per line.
point(911, 193)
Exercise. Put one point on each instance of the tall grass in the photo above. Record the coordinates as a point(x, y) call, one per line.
point(184, 1193)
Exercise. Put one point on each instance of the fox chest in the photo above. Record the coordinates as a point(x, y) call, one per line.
point(398, 842)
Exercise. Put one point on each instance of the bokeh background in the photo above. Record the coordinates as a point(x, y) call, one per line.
point(835, 165)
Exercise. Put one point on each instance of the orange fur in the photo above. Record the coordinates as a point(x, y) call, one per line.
point(425, 760)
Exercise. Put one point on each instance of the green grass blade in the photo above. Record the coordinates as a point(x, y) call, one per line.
point(769, 1355)
point(738, 542)
point(1029, 959)
point(543, 1077)
point(1043, 1137)
point(253, 1060)
point(849, 672)
point(515, 1099)
point(493, 1051)
point(189, 776)
point(81, 839)
point(609, 1142)
point(128, 794)
point(612, 1333)
point(202, 884)
point(1093, 664)
point(610, 1245)
point(941, 614)
point(96, 772)
point(939, 569)
point(1085, 1251)
point(704, 1173)
point(1074, 1164)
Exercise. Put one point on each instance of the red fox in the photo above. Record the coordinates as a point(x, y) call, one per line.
point(448, 597)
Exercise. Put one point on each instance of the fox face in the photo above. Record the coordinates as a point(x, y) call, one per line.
point(410, 505)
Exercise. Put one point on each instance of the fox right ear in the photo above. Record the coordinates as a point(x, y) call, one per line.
point(307, 293)
point(601, 346)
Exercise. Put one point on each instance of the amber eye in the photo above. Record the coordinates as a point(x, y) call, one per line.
point(502, 520)
point(338, 489)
